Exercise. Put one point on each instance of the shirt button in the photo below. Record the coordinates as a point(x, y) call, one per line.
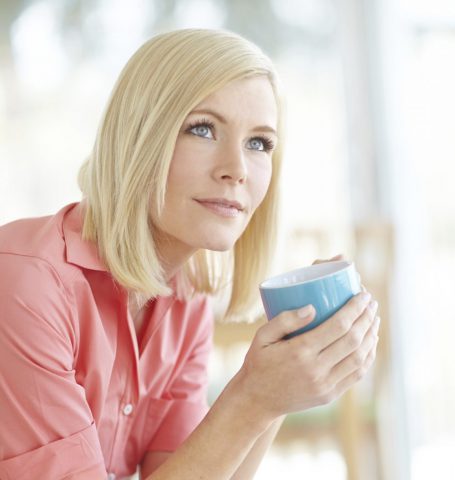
point(111, 476)
point(127, 409)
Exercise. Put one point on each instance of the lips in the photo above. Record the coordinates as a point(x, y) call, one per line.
point(222, 202)
point(221, 206)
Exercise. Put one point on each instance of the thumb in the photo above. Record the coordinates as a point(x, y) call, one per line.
point(284, 324)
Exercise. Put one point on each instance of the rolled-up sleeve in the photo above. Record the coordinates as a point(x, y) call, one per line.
point(187, 404)
point(76, 456)
point(47, 430)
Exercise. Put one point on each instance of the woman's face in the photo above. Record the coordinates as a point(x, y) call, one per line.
point(221, 167)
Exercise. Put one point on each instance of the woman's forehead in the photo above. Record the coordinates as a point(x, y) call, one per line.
point(253, 98)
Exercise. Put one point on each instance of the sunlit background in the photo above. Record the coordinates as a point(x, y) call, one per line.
point(369, 172)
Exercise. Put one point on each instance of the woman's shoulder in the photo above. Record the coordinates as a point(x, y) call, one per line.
point(32, 250)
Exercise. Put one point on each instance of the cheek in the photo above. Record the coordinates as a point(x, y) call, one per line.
point(261, 178)
point(188, 165)
point(180, 173)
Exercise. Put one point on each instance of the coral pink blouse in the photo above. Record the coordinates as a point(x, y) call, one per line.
point(78, 391)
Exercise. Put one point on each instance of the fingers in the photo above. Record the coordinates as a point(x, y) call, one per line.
point(283, 324)
point(339, 324)
point(338, 257)
point(293, 375)
point(353, 377)
point(359, 358)
point(352, 341)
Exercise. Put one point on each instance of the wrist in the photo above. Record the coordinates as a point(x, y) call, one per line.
point(247, 405)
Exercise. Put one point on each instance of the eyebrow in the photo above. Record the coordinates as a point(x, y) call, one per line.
point(260, 128)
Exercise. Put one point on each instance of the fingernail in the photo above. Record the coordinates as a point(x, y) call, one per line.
point(365, 296)
point(373, 305)
point(305, 311)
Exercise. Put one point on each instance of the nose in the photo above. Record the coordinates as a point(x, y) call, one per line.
point(231, 166)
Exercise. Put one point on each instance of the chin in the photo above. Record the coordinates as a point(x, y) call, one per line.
point(219, 247)
point(219, 239)
point(219, 244)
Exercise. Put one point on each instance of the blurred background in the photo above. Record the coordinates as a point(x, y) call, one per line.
point(369, 172)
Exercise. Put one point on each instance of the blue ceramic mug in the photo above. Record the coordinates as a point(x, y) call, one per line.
point(327, 286)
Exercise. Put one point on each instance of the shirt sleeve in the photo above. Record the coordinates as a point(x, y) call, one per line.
point(47, 426)
point(188, 392)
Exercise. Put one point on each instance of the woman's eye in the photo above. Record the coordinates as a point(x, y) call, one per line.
point(256, 144)
point(261, 144)
point(203, 130)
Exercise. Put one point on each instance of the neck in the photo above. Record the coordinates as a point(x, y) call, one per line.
point(173, 255)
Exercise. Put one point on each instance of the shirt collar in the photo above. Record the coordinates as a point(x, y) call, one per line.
point(82, 252)
point(78, 251)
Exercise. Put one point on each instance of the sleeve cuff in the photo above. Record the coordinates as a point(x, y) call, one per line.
point(181, 419)
point(62, 459)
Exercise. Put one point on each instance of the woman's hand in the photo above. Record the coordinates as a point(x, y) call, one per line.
point(283, 376)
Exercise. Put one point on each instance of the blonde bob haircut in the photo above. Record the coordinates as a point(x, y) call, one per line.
point(125, 175)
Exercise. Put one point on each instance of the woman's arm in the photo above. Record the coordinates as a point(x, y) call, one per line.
point(277, 377)
point(220, 443)
point(248, 467)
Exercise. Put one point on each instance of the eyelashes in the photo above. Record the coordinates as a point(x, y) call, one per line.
point(268, 144)
point(200, 123)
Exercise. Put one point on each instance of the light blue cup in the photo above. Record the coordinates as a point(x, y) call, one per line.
point(326, 286)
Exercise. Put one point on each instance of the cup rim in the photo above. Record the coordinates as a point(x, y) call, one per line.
point(344, 264)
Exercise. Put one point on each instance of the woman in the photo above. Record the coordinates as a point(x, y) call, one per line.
point(105, 320)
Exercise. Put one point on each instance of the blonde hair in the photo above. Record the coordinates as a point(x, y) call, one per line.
point(125, 175)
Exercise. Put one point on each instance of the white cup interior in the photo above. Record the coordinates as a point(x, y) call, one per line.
point(305, 274)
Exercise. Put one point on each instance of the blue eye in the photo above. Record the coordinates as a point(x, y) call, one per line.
point(261, 144)
point(201, 128)
point(204, 129)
